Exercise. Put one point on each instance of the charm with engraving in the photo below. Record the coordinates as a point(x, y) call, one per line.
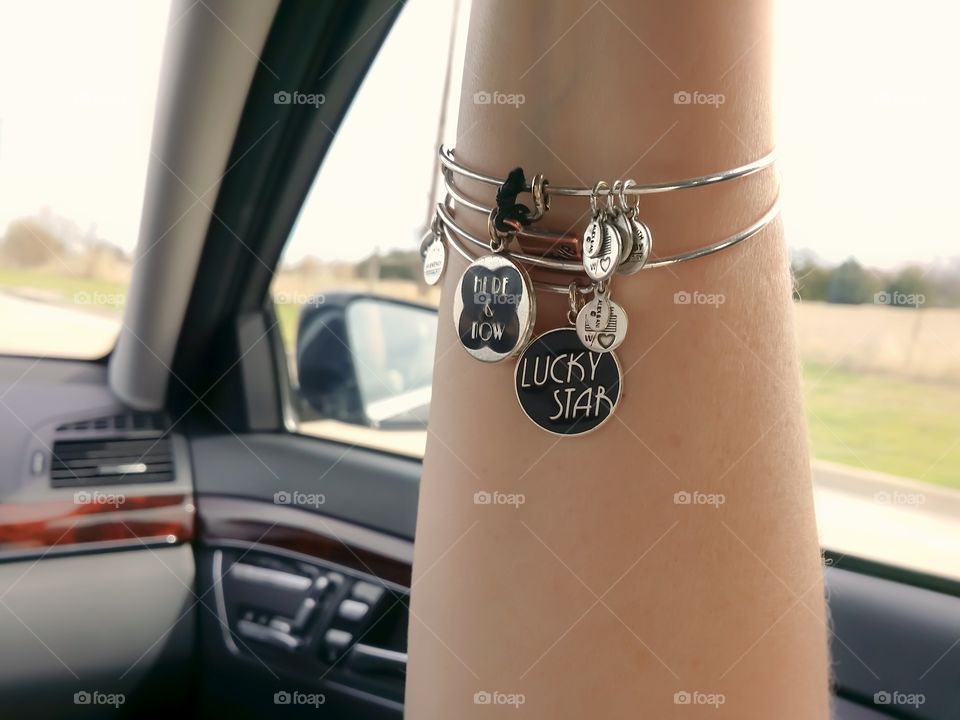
point(641, 241)
point(626, 235)
point(434, 255)
point(494, 308)
point(601, 324)
point(565, 388)
point(604, 263)
point(593, 237)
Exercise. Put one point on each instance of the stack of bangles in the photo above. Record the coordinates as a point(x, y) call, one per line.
point(568, 380)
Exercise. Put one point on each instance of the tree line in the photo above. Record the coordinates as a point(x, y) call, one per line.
point(850, 283)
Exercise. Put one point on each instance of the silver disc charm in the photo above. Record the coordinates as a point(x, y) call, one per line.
point(626, 235)
point(602, 265)
point(434, 262)
point(565, 388)
point(494, 308)
point(641, 242)
point(601, 324)
point(434, 255)
point(593, 238)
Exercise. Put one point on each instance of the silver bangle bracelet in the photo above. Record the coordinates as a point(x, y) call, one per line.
point(575, 267)
point(451, 238)
point(450, 164)
point(567, 380)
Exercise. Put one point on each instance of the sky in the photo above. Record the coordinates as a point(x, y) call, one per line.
point(78, 85)
point(867, 115)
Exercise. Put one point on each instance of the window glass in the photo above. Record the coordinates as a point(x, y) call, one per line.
point(74, 144)
point(350, 278)
point(867, 190)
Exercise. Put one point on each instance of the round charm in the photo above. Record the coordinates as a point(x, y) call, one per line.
point(641, 241)
point(434, 260)
point(601, 266)
point(494, 308)
point(626, 235)
point(565, 388)
point(593, 238)
point(601, 324)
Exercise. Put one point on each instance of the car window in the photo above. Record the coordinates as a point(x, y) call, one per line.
point(351, 269)
point(74, 145)
point(876, 267)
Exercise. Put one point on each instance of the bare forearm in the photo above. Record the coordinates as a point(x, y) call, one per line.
point(601, 595)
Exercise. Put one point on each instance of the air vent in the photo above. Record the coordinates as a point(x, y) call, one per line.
point(84, 463)
point(140, 423)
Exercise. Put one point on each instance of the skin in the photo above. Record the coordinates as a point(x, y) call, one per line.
point(600, 595)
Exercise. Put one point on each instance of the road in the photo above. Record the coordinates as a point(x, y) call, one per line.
point(28, 327)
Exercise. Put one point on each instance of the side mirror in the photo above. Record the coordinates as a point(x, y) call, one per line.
point(367, 360)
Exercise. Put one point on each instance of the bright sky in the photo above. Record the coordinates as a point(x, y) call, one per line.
point(868, 112)
point(867, 116)
point(78, 85)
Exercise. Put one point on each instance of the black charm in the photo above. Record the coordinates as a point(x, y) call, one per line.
point(565, 388)
point(494, 308)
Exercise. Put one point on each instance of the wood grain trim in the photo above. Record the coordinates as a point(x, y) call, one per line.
point(262, 523)
point(107, 517)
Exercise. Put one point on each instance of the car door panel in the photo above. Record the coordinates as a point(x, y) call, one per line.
point(364, 487)
point(895, 647)
point(310, 609)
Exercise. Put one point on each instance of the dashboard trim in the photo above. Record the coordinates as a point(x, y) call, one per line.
point(65, 526)
point(226, 520)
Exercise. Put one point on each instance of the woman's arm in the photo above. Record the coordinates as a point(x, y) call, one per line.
point(603, 594)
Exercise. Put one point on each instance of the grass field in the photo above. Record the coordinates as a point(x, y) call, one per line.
point(287, 318)
point(885, 423)
point(68, 289)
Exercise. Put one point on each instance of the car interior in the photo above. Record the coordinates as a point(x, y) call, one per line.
point(220, 562)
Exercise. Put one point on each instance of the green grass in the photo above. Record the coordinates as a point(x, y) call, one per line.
point(68, 289)
point(885, 423)
point(287, 317)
